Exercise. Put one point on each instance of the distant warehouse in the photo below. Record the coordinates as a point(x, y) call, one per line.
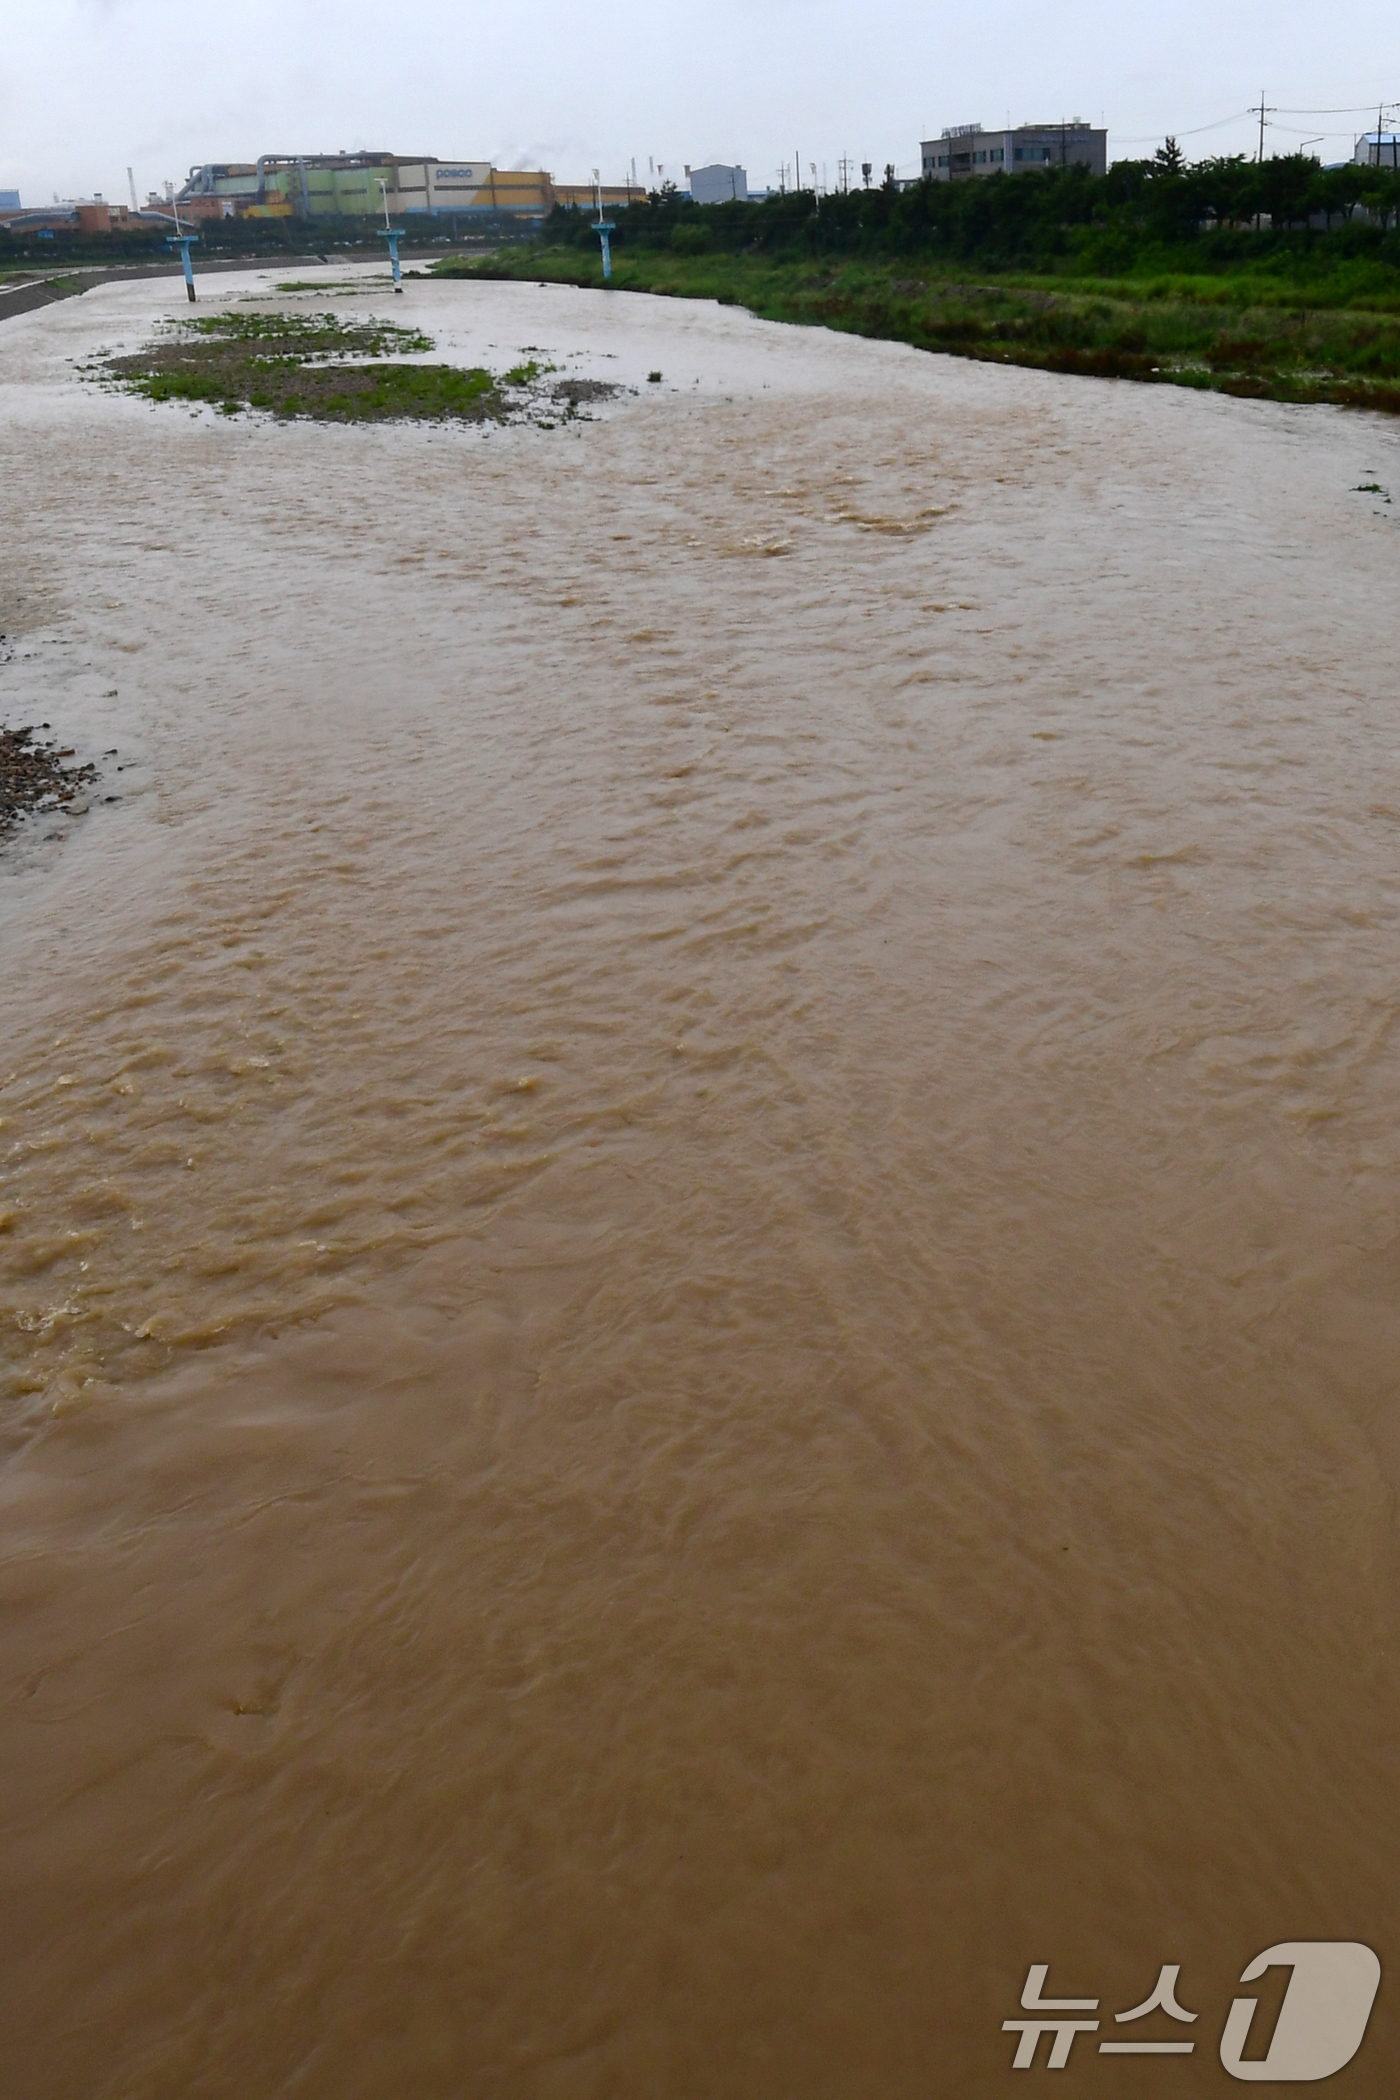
point(717, 184)
point(966, 149)
point(357, 185)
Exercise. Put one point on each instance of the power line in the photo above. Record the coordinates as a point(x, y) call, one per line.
point(1195, 133)
point(1355, 109)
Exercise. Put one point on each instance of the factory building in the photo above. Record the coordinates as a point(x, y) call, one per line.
point(356, 185)
point(583, 196)
point(69, 215)
point(966, 149)
point(717, 184)
point(1378, 149)
point(335, 186)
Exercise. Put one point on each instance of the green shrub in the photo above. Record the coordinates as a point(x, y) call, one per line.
point(692, 240)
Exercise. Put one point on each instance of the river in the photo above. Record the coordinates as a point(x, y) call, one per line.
point(700, 1219)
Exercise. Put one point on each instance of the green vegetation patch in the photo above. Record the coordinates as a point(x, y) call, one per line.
point(299, 365)
point(306, 335)
point(358, 287)
point(311, 365)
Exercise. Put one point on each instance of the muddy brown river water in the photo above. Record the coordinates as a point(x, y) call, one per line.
point(700, 1222)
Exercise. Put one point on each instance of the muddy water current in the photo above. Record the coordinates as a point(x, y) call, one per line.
point(700, 1220)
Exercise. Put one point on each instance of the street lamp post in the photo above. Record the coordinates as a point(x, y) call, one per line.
point(602, 227)
point(392, 234)
point(183, 241)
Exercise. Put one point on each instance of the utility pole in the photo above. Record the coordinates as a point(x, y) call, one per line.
point(1265, 110)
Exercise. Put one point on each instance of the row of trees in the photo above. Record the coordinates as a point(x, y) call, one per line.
point(1288, 188)
point(1043, 217)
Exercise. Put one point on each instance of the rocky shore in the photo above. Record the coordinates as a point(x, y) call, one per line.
point(34, 778)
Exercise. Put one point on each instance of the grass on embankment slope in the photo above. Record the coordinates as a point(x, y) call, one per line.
point(1237, 334)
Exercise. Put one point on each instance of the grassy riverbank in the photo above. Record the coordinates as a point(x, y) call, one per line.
point(1334, 337)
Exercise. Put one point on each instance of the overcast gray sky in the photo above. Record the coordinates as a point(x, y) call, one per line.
point(90, 86)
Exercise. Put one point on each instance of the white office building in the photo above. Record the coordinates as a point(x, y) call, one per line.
point(966, 149)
